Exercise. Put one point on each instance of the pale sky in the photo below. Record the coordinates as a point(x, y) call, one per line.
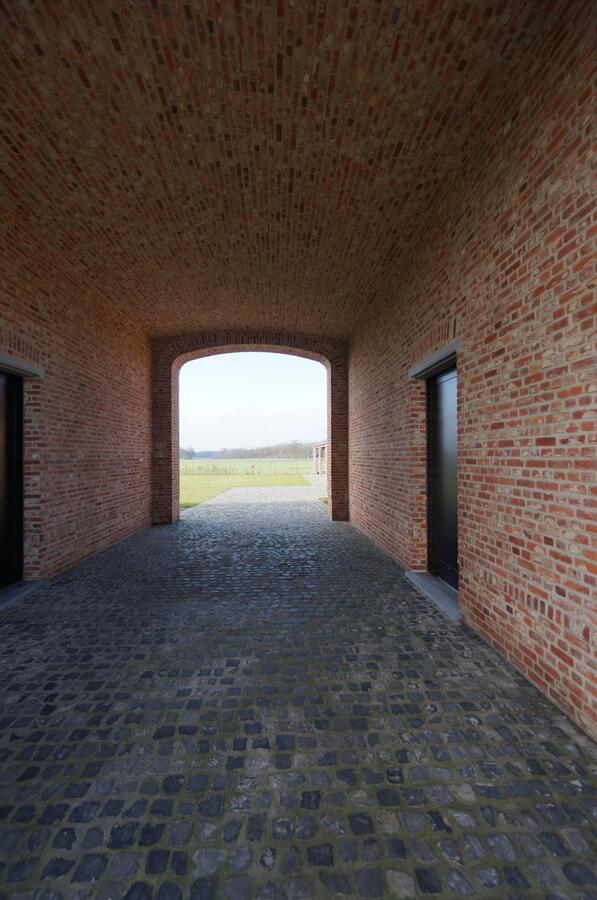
point(251, 399)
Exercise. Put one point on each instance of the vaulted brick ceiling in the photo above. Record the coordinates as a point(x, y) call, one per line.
point(247, 163)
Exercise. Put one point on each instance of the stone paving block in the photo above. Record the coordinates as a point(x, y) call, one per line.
point(255, 703)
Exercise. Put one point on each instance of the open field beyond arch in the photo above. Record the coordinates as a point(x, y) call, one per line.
point(202, 479)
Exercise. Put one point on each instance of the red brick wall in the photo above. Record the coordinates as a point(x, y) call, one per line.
point(87, 421)
point(505, 267)
point(169, 354)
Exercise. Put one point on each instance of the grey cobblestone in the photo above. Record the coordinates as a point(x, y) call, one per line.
point(255, 703)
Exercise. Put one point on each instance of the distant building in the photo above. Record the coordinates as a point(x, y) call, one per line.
point(320, 458)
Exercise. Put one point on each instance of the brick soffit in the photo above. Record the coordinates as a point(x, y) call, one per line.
point(260, 165)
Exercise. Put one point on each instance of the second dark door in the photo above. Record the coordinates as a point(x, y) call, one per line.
point(442, 425)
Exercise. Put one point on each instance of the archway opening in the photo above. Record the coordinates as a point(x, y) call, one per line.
point(169, 355)
point(252, 429)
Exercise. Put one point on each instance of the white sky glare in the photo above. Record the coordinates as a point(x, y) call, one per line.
point(250, 400)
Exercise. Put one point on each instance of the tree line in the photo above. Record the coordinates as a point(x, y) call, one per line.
point(289, 450)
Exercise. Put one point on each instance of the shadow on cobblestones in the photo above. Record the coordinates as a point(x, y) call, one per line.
point(255, 703)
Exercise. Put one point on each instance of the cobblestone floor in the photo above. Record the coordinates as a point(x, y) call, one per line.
point(254, 703)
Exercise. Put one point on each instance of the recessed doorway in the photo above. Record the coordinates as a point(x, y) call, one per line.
point(11, 479)
point(442, 471)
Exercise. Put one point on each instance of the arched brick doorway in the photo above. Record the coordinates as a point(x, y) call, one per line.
point(169, 354)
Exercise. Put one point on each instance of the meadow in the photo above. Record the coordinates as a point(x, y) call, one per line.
point(202, 479)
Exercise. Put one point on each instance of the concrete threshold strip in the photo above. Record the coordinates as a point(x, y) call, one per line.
point(18, 591)
point(444, 597)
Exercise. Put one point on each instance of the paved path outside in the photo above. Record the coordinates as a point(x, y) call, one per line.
point(255, 703)
point(316, 489)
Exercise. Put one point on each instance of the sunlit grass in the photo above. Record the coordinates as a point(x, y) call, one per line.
point(197, 486)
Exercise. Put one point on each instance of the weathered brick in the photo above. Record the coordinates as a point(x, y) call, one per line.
point(380, 184)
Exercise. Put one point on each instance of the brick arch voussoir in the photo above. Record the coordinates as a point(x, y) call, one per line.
point(182, 349)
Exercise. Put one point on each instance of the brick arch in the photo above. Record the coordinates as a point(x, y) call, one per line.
point(169, 354)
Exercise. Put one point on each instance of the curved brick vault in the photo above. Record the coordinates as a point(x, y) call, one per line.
point(231, 165)
point(171, 353)
point(384, 178)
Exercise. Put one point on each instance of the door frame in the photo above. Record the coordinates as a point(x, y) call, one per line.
point(449, 367)
point(12, 568)
point(27, 371)
point(433, 588)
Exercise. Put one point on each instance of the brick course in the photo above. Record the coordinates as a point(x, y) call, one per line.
point(87, 420)
point(226, 165)
point(506, 266)
point(388, 176)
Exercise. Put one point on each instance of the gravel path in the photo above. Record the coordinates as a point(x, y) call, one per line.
point(316, 488)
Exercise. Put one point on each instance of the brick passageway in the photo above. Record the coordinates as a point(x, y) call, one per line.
point(254, 703)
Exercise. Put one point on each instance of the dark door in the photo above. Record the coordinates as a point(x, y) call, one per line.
point(442, 476)
point(11, 479)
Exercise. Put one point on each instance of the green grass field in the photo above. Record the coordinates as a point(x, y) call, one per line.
point(246, 466)
point(202, 479)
